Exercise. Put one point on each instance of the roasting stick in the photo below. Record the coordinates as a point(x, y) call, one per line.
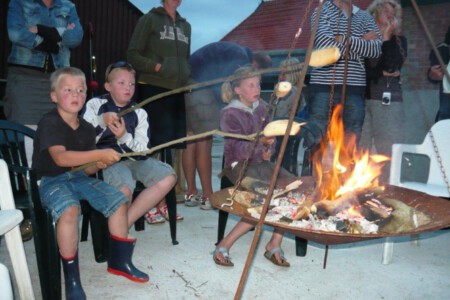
point(262, 217)
point(207, 83)
point(182, 140)
point(318, 58)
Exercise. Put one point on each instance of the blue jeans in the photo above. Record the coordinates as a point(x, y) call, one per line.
point(58, 193)
point(353, 114)
point(444, 106)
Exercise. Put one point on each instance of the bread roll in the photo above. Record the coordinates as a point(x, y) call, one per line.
point(278, 128)
point(325, 56)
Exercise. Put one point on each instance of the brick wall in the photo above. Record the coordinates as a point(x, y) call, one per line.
point(436, 17)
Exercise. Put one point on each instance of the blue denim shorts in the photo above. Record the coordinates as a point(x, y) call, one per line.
point(127, 172)
point(58, 193)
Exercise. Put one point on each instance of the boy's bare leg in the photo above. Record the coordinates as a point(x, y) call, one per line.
point(149, 198)
point(118, 222)
point(67, 232)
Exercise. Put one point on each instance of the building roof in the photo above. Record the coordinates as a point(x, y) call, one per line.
point(274, 24)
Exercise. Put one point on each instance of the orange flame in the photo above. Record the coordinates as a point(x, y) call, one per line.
point(340, 167)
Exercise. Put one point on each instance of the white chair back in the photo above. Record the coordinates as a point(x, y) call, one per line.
point(10, 219)
point(435, 184)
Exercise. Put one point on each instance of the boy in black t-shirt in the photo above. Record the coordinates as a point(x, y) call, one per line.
point(63, 140)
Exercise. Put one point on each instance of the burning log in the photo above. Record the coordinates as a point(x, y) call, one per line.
point(326, 208)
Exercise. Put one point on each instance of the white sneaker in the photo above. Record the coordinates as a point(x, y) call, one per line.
point(191, 200)
point(205, 203)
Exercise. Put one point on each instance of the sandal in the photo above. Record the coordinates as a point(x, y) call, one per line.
point(224, 252)
point(164, 211)
point(154, 216)
point(270, 255)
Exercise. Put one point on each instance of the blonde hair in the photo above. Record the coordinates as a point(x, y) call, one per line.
point(228, 86)
point(377, 5)
point(287, 67)
point(57, 75)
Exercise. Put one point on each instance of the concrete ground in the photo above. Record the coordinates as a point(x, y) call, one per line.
point(187, 271)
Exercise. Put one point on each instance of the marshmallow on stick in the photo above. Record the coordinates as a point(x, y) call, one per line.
point(282, 88)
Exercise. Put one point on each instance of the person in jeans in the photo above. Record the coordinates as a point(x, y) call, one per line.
point(326, 83)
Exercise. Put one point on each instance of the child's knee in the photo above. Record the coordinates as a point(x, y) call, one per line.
point(70, 215)
point(127, 192)
point(173, 179)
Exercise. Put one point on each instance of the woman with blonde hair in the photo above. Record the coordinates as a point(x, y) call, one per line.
point(383, 123)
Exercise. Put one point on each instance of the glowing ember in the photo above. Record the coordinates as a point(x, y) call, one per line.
point(340, 167)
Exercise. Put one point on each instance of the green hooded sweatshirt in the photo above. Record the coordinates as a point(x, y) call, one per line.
point(158, 39)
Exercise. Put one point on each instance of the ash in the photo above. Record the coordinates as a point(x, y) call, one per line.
point(284, 209)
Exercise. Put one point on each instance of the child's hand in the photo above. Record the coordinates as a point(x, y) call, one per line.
point(267, 140)
point(118, 128)
point(109, 156)
point(101, 165)
point(110, 117)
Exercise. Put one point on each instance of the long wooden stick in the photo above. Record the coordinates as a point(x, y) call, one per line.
point(178, 141)
point(257, 234)
point(194, 86)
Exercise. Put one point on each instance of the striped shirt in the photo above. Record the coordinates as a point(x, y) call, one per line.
point(333, 22)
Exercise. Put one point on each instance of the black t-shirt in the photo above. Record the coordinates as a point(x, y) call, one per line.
point(53, 131)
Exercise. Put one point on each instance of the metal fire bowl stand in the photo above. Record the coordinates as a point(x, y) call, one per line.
point(437, 208)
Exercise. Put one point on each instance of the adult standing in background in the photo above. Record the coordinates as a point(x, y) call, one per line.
point(159, 49)
point(213, 61)
point(42, 34)
point(385, 115)
point(436, 75)
point(327, 82)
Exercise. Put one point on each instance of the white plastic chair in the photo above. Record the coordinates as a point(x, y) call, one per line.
point(6, 292)
point(435, 185)
point(10, 219)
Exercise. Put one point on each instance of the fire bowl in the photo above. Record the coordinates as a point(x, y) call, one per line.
point(438, 209)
